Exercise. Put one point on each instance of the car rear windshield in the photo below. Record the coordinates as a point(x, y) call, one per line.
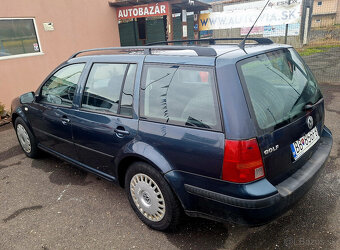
point(279, 86)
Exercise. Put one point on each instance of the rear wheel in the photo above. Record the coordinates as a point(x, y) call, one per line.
point(151, 197)
point(26, 138)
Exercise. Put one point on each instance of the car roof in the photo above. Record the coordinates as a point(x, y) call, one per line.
point(250, 50)
point(204, 55)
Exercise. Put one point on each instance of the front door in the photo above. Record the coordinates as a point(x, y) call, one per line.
point(52, 114)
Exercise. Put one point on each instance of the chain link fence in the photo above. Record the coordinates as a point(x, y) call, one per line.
point(313, 29)
point(322, 48)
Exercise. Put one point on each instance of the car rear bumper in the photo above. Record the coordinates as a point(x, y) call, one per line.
point(252, 203)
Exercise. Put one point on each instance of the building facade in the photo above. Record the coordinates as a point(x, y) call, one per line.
point(36, 36)
point(148, 21)
point(325, 13)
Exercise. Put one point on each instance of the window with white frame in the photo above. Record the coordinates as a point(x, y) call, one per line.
point(18, 36)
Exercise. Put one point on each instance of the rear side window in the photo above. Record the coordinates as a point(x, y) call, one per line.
point(180, 95)
point(127, 93)
point(279, 86)
point(109, 88)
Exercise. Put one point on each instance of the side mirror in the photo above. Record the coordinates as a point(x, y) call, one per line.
point(27, 98)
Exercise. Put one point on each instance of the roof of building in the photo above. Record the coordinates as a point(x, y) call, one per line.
point(177, 5)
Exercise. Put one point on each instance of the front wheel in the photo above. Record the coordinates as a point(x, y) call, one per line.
point(26, 138)
point(151, 197)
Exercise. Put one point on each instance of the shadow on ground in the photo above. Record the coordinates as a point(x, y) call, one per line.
point(61, 172)
point(10, 152)
point(196, 233)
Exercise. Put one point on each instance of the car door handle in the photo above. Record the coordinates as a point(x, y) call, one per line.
point(65, 120)
point(121, 131)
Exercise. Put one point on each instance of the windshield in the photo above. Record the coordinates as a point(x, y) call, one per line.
point(279, 86)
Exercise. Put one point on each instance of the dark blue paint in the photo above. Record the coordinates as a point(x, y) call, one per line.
point(95, 138)
point(145, 152)
point(46, 122)
point(187, 149)
point(277, 198)
point(280, 164)
point(237, 122)
point(184, 155)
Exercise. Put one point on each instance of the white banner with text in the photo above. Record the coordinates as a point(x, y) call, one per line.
point(277, 12)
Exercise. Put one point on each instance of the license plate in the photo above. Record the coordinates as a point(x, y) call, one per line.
point(299, 147)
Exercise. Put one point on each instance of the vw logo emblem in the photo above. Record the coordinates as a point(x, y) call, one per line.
point(310, 122)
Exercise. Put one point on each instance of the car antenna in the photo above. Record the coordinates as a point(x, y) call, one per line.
point(243, 42)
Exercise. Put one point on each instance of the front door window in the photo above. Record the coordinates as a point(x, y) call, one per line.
point(60, 88)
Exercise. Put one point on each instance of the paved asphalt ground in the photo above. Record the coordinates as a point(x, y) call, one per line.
point(325, 65)
point(48, 204)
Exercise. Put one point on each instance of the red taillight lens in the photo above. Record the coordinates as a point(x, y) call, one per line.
point(242, 161)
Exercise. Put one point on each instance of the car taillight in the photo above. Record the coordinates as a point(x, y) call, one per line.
point(242, 161)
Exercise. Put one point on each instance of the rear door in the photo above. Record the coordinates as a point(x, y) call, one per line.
point(105, 120)
point(180, 118)
point(288, 108)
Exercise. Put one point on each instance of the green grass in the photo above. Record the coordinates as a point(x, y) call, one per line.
point(317, 49)
point(310, 51)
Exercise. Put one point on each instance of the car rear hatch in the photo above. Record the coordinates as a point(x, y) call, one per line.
point(285, 101)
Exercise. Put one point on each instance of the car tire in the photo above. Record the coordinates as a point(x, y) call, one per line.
point(152, 198)
point(26, 139)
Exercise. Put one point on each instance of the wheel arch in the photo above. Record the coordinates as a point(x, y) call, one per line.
point(14, 117)
point(19, 113)
point(128, 161)
point(139, 151)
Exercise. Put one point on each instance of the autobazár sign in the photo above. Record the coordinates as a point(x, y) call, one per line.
point(146, 10)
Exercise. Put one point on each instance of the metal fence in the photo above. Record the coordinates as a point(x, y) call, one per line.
point(315, 34)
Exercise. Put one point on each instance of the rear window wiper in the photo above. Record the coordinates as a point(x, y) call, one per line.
point(301, 95)
point(309, 106)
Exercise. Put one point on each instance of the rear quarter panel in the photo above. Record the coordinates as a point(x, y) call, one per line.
point(236, 116)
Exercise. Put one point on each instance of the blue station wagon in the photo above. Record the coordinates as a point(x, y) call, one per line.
point(217, 131)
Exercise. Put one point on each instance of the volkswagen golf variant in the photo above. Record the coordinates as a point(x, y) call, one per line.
point(218, 131)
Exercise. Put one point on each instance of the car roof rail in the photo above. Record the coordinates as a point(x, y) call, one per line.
point(212, 41)
point(200, 51)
